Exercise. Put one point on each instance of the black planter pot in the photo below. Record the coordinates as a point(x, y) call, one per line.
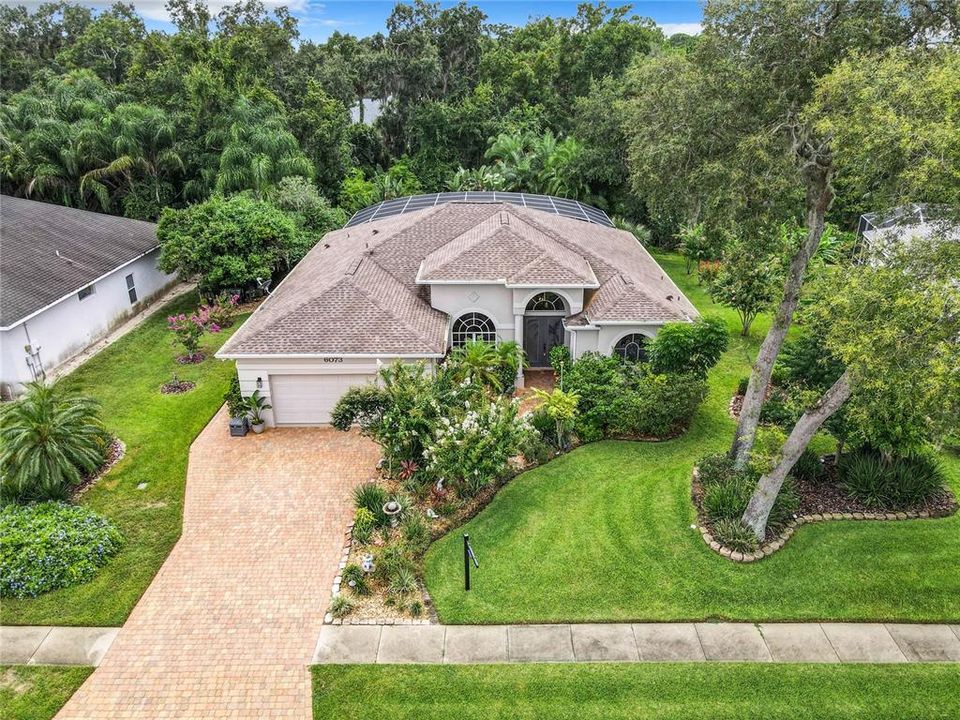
point(238, 427)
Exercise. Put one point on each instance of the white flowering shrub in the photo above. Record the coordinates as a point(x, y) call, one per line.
point(472, 449)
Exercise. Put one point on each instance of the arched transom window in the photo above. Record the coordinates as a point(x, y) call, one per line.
point(473, 326)
point(632, 347)
point(547, 301)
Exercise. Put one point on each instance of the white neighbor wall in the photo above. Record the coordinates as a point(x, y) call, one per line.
point(602, 338)
point(70, 325)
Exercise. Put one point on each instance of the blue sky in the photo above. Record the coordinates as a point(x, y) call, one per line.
point(364, 17)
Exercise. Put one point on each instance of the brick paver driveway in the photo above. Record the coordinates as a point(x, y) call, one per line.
point(228, 626)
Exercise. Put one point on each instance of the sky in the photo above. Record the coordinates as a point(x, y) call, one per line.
point(318, 19)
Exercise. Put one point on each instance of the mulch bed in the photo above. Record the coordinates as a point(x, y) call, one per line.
point(177, 387)
point(191, 359)
point(115, 452)
point(828, 496)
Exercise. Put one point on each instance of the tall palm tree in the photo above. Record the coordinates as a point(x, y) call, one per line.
point(49, 440)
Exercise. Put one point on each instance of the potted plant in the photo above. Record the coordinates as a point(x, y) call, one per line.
point(256, 404)
point(237, 407)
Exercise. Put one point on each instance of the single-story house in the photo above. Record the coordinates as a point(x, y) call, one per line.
point(878, 231)
point(414, 277)
point(67, 277)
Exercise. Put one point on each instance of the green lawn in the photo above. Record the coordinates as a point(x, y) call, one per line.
point(158, 430)
point(604, 533)
point(608, 692)
point(37, 692)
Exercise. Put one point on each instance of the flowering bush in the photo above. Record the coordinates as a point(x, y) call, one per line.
point(187, 331)
point(52, 545)
point(473, 450)
point(222, 312)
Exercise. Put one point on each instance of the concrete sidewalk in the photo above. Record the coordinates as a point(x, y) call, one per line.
point(46, 645)
point(640, 642)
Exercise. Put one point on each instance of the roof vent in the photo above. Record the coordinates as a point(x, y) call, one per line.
point(353, 266)
point(504, 218)
point(669, 297)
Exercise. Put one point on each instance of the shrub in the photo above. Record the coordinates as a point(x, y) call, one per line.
point(904, 481)
point(779, 410)
point(691, 348)
point(561, 407)
point(560, 359)
point(49, 440)
point(767, 445)
point(363, 406)
point(391, 560)
point(187, 331)
point(223, 311)
point(402, 582)
point(364, 522)
point(716, 468)
point(372, 497)
point(545, 426)
point(236, 405)
point(341, 606)
point(416, 532)
point(474, 451)
point(52, 545)
point(808, 467)
point(477, 361)
point(534, 450)
point(416, 608)
point(735, 535)
point(510, 359)
point(657, 405)
point(728, 500)
point(598, 380)
point(353, 573)
point(742, 385)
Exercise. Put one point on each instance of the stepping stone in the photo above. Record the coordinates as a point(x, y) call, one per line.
point(926, 643)
point(732, 642)
point(19, 643)
point(863, 642)
point(411, 644)
point(476, 644)
point(798, 642)
point(668, 642)
point(348, 644)
point(604, 642)
point(74, 646)
point(540, 643)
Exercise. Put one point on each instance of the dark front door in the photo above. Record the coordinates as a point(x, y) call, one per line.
point(540, 335)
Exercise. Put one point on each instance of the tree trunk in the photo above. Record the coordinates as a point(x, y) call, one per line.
point(360, 110)
point(768, 487)
point(819, 197)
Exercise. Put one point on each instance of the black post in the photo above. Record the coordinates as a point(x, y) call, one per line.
point(466, 561)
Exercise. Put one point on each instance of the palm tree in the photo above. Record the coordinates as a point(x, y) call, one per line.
point(476, 361)
point(48, 441)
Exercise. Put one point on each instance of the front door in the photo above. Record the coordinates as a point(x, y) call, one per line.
point(540, 335)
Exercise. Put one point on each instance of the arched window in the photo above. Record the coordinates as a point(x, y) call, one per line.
point(473, 326)
point(547, 301)
point(632, 347)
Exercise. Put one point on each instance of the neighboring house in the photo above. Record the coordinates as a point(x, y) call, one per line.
point(67, 277)
point(877, 231)
point(413, 277)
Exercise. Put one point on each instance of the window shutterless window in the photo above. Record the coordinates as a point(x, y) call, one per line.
point(131, 289)
point(473, 326)
point(85, 292)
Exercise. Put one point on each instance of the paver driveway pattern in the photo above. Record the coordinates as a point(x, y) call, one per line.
point(229, 624)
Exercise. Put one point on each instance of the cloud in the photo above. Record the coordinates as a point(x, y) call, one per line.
point(691, 28)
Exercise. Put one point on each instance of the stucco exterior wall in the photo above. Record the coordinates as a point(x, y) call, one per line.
point(494, 301)
point(602, 338)
point(69, 326)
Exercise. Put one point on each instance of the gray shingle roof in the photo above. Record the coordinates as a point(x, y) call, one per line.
point(357, 291)
point(49, 251)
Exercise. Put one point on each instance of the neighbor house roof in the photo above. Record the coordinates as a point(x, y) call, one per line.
point(364, 289)
point(48, 252)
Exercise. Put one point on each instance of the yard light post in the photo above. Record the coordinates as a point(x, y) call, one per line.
point(467, 557)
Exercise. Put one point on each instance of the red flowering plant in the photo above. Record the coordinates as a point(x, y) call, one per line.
point(187, 331)
point(223, 310)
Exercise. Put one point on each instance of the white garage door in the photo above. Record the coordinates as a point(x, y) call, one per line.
point(308, 399)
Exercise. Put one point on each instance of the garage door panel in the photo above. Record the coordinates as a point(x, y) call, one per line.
point(309, 399)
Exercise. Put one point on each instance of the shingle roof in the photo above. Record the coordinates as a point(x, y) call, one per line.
point(49, 251)
point(357, 291)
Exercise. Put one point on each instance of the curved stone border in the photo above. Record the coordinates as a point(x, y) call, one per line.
point(121, 451)
point(771, 547)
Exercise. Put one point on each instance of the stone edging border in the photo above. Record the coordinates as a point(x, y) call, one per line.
point(771, 547)
point(329, 619)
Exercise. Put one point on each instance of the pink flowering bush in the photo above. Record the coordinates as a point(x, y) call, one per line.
point(221, 313)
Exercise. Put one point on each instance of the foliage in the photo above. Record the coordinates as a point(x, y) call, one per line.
point(749, 279)
point(372, 497)
point(311, 213)
point(50, 438)
point(415, 531)
point(355, 578)
point(732, 533)
point(256, 404)
point(227, 243)
point(696, 245)
point(364, 523)
point(560, 358)
point(236, 405)
point(187, 330)
point(476, 361)
point(809, 467)
point(510, 360)
point(900, 482)
point(727, 500)
point(689, 347)
point(222, 312)
point(536, 448)
point(766, 449)
point(362, 405)
point(52, 545)
point(472, 451)
point(341, 606)
point(562, 408)
point(715, 469)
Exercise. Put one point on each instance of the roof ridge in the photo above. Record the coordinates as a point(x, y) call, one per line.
point(590, 257)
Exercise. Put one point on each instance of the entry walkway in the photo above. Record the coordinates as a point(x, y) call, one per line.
point(229, 623)
point(640, 642)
